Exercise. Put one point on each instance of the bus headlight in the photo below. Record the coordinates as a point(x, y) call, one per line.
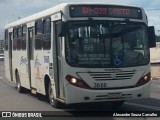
point(144, 80)
point(77, 82)
point(73, 80)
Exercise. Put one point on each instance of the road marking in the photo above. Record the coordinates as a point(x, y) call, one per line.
point(144, 106)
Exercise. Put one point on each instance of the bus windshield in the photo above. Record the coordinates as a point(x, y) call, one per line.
point(106, 44)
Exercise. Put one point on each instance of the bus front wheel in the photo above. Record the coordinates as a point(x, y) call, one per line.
point(52, 99)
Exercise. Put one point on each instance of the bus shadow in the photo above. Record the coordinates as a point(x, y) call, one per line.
point(92, 107)
point(149, 104)
point(107, 109)
point(37, 96)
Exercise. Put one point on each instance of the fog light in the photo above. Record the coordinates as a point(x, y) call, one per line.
point(139, 95)
point(86, 98)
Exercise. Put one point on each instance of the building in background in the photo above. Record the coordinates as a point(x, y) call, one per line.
point(1, 46)
point(155, 61)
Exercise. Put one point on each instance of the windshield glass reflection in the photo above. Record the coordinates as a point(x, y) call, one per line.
point(106, 44)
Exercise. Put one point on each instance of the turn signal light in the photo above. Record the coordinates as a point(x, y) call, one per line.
point(77, 82)
point(144, 80)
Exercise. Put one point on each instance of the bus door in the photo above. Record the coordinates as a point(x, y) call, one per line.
point(59, 63)
point(30, 54)
point(58, 67)
point(10, 55)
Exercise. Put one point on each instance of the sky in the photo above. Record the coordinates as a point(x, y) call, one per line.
point(11, 10)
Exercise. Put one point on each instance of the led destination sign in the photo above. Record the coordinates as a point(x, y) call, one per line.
point(105, 11)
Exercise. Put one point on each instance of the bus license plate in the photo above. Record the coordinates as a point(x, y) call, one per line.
point(114, 95)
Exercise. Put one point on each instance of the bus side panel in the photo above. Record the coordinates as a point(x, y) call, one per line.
point(46, 58)
point(6, 64)
point(23, 69)
point(8, 55)
point(41, 68)
point(21, 64)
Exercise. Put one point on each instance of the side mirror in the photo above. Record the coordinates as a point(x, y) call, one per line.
point(61, 27)
point(151, 37)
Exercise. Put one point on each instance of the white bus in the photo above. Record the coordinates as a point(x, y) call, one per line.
point(81, 53)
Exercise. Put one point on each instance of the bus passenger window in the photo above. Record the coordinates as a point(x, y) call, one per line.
point(19, 38)
point(24, 33)
point(6, 40)
point(38, 34)
point(47, 34)
point(14, 38)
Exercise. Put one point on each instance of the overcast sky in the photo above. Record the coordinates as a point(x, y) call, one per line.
point(10, 10)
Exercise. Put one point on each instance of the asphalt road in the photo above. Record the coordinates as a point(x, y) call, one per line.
point(11, 100)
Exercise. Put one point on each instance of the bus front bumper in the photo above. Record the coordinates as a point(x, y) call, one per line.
point(80, 95)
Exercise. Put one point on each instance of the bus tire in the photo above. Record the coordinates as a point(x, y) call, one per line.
point(117, 103)
point(20, 89)
point(54, 103)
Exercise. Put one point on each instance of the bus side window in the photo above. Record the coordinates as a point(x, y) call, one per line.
point(24, 33)
point(14, 38)
point(19, 38)
point(47, 34)
point(6, 40)
point(38, 34)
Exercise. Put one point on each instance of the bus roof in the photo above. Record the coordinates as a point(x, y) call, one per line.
point(53, 10)
point(38, 15)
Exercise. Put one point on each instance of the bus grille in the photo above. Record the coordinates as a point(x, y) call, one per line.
point(101, 76)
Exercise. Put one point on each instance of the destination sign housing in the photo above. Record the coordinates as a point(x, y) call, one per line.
point(105, 11)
